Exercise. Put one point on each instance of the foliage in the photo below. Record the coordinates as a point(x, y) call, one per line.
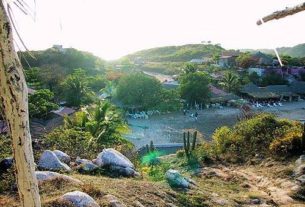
point(139, 90)
point(254, 78)
point(194, 87)
point(76, 89)
point(245, 60)
point(177, 53)
point(273, 79)
point(72, 141)
point(96, 83)
point(170, 101)
point(41, 103)
point(156, 172)
point(33, 78)
point(103, 122)
point(190, 68)
point(263, 134)
point(230, 82)
point(5, 147)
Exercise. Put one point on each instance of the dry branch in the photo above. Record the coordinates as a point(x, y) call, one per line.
point(283, 13)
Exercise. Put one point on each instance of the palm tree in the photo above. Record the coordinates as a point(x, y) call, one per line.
point(230, 82)
point(13, 99)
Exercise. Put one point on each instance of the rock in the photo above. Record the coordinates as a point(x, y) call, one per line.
point(79, 199)
point(112, 201)
point(112, 157)
point(49, 161)
point(6, 164)
point(175, 179)
point(82, 161)
point(43, 176)
point(138, 204)
point(300, 161)
point(63, 157)
point(116, 162)
point(301, 179)
point(87, 167)
point(255, 201)
point(299, 170)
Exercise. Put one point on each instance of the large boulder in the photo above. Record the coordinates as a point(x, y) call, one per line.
point(112, 157)
point(49, 161)
point(63, 157)
point(87, 167)
point(116, 162)
point(82, 161)
point(6, 164)
point(43, 176)
point(175, 179)
point(79, 199)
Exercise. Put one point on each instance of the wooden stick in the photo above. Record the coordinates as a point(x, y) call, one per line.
point(282, 14)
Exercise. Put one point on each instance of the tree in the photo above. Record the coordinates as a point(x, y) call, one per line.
point(190, 68)
point(41, 103)
point(76, 89)
point(139, 90)
point(194, 87)
point(245, 60)
point(273, 79)
point(13, 100)
point(254, 78)
point(230, 82)
point(170, 100)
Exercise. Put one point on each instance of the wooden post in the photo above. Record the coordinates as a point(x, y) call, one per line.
point(14, 102)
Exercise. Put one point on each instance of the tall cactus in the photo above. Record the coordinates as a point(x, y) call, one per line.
point(188, 147)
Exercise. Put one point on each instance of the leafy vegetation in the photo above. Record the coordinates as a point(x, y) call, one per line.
point(41, 103)
point(230, 82)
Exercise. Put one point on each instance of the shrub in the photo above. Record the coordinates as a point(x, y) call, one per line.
point(5, 147)
point(73, 142)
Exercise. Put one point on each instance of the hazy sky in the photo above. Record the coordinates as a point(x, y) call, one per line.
point(113, 28)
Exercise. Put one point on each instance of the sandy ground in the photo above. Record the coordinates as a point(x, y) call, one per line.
point(168, 128)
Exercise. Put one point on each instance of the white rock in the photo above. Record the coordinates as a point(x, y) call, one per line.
point(300, 161)
point(175, 179)
point(112, 157)
point(43, 176)
point(63, 157)
point(79, 199)
point(49, 161)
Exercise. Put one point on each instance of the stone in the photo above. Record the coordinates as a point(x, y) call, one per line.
point(299, 170)
point(82, 161)
point(175, 179)
point(116, 162)
point(6, 164)
point(255, 201)
point(138, 204)
point(112, 201)
point(301, 180)
point(49, 161)
point(63, 157)
point(300, 161)
point(87, 167)
point(43, 176)
point(112, 157)
point(79, 199)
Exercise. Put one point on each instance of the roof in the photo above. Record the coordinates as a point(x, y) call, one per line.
point(62, 111)
point(217, 91)
point(218, 95)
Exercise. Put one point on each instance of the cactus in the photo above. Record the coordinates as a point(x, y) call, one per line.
point(152, 146)
point(188, 147)
point(147, 149)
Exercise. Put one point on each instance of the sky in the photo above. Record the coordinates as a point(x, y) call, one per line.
point(111, 29)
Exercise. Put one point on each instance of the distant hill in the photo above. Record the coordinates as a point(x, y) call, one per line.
point(176, 53)
point(295, 51)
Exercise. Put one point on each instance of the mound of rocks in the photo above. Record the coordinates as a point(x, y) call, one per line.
point(63, 157)
point(49, 161)
point(116, 162)
point(175, 179)
point(79, 199)
point(43, 176)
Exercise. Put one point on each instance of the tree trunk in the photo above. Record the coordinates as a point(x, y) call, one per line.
point(14, 102)
point(283, 13)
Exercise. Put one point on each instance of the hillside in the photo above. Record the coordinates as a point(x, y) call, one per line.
point(176, 53)
point(295, 51)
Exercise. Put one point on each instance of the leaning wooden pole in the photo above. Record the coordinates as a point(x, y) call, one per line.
point(14, 102)
point(282, 14)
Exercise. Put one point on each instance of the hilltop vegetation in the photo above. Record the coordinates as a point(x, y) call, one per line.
point(177, 53)
point(296, 51)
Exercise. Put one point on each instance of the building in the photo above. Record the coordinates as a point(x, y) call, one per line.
point(220, 96)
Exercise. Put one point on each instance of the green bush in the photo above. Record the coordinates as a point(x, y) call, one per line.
point(73, 142)
point(263, 134)
point(5, 147)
